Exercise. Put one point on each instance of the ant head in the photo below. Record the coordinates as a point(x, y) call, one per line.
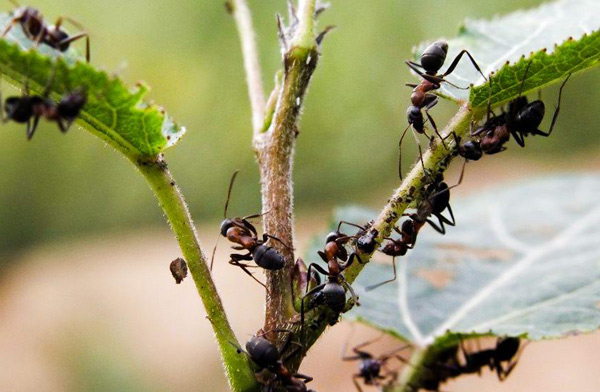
point(226, 225)
point(334, 235)
point(370, 368)
point(413, 111)
point(471, 150)
point(367, 243)
point(433, 56)
point(263, 352)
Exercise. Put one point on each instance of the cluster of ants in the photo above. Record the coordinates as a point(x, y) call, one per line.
point(520, 120)
point(28, 109)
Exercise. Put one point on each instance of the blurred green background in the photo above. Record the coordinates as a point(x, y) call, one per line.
point(57, 188)
point(60, 186)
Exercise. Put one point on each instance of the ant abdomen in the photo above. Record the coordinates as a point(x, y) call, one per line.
point(268, 258)
point(263, 352)
point(433, 56)
point(531, 116)
point(334, 297)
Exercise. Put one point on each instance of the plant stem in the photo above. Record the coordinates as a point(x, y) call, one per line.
point(243, 21)
point(239, 374)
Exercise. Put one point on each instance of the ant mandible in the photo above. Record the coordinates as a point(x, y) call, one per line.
point(432, 60)
point(34, 27)
point(242, 232)
point(333, 292)
point(266, 355)
point(370, 366)
point(22, 109)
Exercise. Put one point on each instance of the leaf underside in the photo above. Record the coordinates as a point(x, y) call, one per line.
point(514, 265)
point(559, 38)
point(113, 112)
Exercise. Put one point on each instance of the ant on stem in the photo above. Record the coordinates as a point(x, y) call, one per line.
point(243, 233)
point(34, 28)
point(421, 98)
point(266, 355)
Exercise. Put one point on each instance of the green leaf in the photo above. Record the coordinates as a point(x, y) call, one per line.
point(559, 38)
point(113, 112)
point(522, 260)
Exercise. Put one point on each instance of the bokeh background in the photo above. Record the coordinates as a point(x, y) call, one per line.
point(86, 300)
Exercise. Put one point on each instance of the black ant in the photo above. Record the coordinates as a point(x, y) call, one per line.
point(521, 120)
point(398, 247)
point(501, 358)
point(266, 355)
point(27, 107)
point(333, 292)
point(432, 60)
point(34, 27)
point(370, 367)
point(242, 232)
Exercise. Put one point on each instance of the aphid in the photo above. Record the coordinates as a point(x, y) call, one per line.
point(432, 60)
point(179, 269)
point(243, 233)
point(266, 355)
point(34, 28)
point(370, 367)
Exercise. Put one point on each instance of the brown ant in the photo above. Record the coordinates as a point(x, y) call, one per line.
point(27, 107)
point(370, 367)
point(521, 120)
point(34, 28)
point(333, 292)
point(266, 355)
point(242, 232)
point(432, 60)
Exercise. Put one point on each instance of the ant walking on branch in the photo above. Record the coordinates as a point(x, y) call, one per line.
point(266, 355)
point(27, 107)
point(243, 233)
point(432, 60)
point(333, 292)
point(34, 28)
point(370, 367)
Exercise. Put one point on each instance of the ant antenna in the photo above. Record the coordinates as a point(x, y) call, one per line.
point(229, 192)
point(212, 258)
point(400, 152)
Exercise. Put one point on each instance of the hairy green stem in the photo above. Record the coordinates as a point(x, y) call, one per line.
point(240, 376)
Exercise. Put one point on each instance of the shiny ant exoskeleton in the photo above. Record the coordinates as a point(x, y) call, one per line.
point(432, 60)
point(34, 28)
point(27, 107)
point(266, 355)
point(242, 232)
point(333, 292)
point(521, 120)
point(370, 367)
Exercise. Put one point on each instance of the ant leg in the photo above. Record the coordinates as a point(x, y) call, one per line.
point(267, 236)
point(355, 378)
point(555, 116)
point(400, 152)
point(411, 85)
point(457, 59)
point(235, 173)
point(373, 287)
point(245, 269)
point(440, 229)
point(413, 64)
point(364, 344)
point(352, 293)
point(304, 377)
point(10, 26)
point(519, 138)
point(31, 130)
point(524, 78)
point(429, 106)
point(349, 224)
point(309, 270)
point(75, 37)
